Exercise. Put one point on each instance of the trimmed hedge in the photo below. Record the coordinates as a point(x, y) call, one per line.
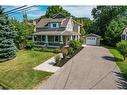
point(44, 49)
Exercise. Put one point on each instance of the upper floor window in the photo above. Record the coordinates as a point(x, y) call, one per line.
point(54, 25)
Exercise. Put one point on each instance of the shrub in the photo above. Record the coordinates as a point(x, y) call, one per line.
point(122, 47)
point(36, 49)
point(75, 44)
point(57, 59)
point(70, 51)
point(29, 44)
point(57, 50)
point(45, 49)
point(64, 52)
point(81, 40)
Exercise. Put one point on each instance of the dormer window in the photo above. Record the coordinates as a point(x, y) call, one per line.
point(54, 25)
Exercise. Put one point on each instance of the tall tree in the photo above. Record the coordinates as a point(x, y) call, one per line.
point(7, 35)
point(104, 15)
point(53, 10)
point(25, 31)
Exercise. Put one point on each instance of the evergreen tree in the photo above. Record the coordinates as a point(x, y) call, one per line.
point(7, 34)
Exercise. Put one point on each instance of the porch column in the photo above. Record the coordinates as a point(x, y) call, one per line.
point(46, 39)
point(71, 37)
point(76, 38)
point(33, 38)
point(61, 39)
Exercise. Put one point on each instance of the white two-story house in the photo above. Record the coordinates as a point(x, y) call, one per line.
point(56, 31)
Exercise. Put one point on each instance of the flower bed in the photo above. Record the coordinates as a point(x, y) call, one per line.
point(67, 58)
point(68, 53)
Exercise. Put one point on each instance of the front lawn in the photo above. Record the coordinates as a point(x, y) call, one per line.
point(119, 60)
point(19, 74)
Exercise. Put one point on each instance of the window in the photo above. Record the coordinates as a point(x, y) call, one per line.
point(54, 25)
point(56, 38)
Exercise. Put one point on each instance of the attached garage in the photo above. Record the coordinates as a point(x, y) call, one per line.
point(92, 39)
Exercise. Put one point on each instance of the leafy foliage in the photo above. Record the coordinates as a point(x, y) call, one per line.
point(70, 51)
point(53, 10)
point(122, 47)
point(75, 44)
point(7, 35)
point(104, 16)
point(57, 59)
point(86, 22)
point(25, 31)
point(45, 49)
point(114, 31)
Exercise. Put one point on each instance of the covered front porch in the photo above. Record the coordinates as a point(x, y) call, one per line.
point(53, 40)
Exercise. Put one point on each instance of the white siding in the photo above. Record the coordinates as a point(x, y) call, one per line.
point(70, 25)
point(78, 28)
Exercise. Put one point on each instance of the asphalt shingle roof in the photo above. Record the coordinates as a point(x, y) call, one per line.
point(45, 21)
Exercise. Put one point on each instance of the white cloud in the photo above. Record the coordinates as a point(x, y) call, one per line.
point(34, 9)
point(80, 11)
point(32, 15)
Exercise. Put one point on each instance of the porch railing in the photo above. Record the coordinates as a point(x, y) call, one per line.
point(38, 43)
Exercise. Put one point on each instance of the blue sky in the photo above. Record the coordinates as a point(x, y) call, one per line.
point(37, 11)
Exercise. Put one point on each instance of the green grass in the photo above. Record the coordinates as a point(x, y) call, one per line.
point(122, 64)
point(18, 73)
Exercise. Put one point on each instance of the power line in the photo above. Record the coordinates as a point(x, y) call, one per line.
point(20, 10)
point(15, 9)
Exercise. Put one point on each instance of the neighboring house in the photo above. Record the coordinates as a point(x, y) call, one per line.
point(92, 39)
point(56, 31)
point(124, 35)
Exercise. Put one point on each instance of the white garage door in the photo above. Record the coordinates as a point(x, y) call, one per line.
point(91, 41)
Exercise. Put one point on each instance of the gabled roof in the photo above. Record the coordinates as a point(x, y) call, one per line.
point(45, 21)
point(95, 35)
point(59, 15)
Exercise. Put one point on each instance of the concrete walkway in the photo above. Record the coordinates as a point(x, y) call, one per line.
point(91, 68)
point(48, 66)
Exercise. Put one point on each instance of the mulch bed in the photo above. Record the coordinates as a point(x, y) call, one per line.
point(63, 61)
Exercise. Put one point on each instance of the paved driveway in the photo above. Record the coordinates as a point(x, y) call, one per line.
point(91, 68)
